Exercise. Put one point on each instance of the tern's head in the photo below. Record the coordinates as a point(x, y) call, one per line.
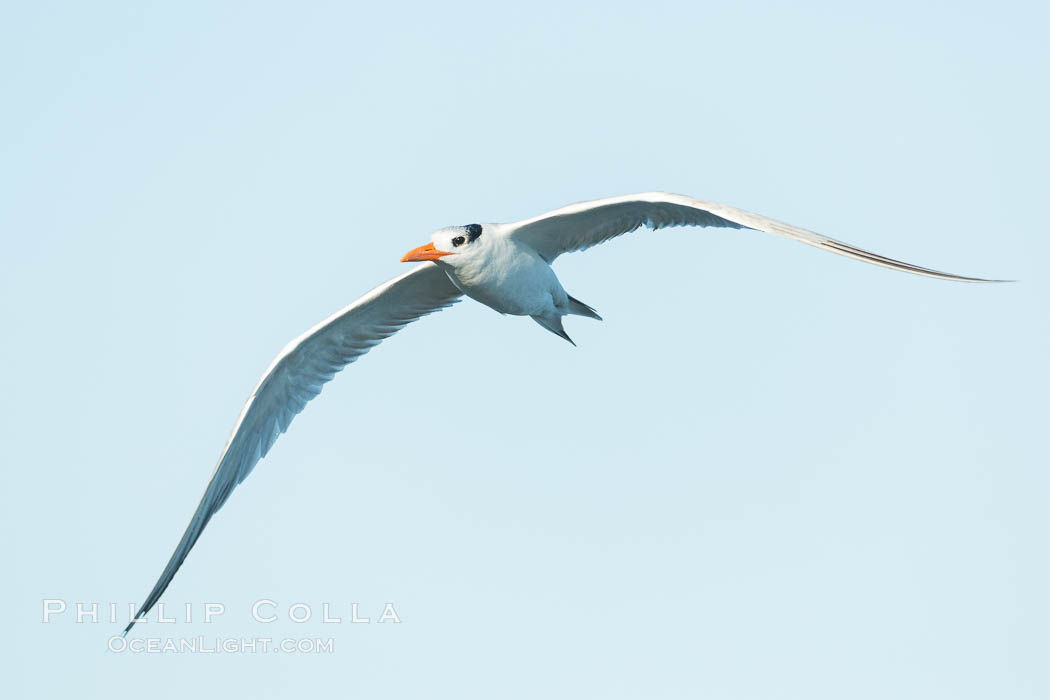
point(451, 245)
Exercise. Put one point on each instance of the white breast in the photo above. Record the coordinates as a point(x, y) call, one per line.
point(510, 278)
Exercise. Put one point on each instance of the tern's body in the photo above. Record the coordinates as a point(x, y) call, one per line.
point(508, 276)
point(504, 266)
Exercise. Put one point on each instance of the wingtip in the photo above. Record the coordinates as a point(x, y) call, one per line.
point(981, 280)
point(131, 624)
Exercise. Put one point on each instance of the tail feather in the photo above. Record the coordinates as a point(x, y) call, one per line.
point(553, 324)
point(578, 308)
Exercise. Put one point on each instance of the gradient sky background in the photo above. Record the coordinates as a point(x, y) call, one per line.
point(770, 472)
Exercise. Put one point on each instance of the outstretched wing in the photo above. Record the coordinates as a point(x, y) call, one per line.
point(296, 376)
point(580, 226)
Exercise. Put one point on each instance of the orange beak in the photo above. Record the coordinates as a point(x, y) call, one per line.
point(424, 252)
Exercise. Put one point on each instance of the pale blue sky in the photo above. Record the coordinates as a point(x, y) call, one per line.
point(769, 473)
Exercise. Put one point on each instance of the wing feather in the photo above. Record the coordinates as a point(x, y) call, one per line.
point(580, 226)
point(295, 377)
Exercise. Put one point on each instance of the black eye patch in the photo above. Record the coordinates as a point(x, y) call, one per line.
point(473, 231)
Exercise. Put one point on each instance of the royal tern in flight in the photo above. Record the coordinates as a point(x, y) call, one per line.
point(504, 266)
